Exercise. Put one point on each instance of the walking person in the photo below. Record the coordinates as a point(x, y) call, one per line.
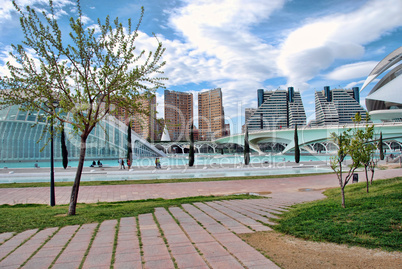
point(128, 164)
point(157, 163)
point(122, 164)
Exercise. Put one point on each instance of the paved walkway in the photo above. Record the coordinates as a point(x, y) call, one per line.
point(199, 235)
point(92, 194)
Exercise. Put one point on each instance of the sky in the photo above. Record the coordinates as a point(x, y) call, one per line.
point(244, 45)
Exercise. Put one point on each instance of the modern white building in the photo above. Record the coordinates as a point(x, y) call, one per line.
point(384, 102)
point(337, 106)
point(23, 137)
point(277, 109)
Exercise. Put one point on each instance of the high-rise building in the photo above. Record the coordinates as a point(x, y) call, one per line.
point(144, 124)
point(211, 117)
point(178, 114)
point(277, 109)
point(248, 113)
point(337, 106)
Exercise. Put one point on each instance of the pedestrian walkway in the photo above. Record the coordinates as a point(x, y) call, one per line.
point(93, 194)
point(200, 235)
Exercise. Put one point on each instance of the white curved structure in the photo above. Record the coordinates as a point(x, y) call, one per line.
point(20, 133)
point(384, 102)
point(310, 136)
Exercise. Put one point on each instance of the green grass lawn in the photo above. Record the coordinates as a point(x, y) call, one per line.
point(372, 220)
point(18, 218)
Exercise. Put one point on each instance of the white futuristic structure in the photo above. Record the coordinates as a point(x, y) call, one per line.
point(20, 133)
point(384, 102)
point(313, 139)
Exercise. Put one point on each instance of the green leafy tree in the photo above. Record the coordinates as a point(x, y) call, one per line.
point(246, 148)
point(191, 152)
point(344, 143)
point(364, 145)
point(89, 74)
point(297, 148)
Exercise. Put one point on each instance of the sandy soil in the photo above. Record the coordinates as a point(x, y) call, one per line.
point(290, 252)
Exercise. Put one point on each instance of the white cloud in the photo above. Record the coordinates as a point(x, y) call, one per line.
point(7, 9)
point(352, 71)
point(313, 47)
point(354, 84)
point(220, 48)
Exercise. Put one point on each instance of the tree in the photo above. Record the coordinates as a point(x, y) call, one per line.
point(343, 141)
point(246, 148)
point(90, 75)
point(191, 152)
point(297, 148)
point(380, 148)
point(363, 140)
point(64, 151)
point(129, 145)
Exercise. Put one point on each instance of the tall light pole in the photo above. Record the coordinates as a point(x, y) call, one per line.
point(55, 104)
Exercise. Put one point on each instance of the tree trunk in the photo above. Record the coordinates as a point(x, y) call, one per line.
point(367, 181)
point(372, 176)
point(76, 186)
point(64, 151)
point(343, 196)
point(246, 148)
point(297, 148)
point(341, 184)
point(191, 152)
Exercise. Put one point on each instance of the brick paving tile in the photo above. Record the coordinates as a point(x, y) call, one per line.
point(128, 249)
point(75, 250)
point(5, 236)
point(239, 217)
point(185, 254)
point(241, 250)
point(46, 255)
point(14, 242)
point(232, 224)
point(244, 210)
point(259, 209)
point(211, 250)
point(268, 206)
point(252, 212)
point(21, 254)
point(269, 210)
point(100, 254)
point(156, 253)
point(159, 264)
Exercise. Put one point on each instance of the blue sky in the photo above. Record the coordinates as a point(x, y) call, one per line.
point(243, 45)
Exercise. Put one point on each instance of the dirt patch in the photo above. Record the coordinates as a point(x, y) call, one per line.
point(264, 192)
point(290, 252)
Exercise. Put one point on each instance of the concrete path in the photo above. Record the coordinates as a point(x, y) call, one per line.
point(199, 235)
point(93, 194)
